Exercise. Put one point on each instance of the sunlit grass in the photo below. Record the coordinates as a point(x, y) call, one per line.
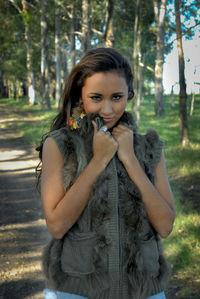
point(182, 248)
point(32, 122)
point(180, 162)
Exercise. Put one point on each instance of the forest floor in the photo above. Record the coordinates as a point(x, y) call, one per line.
point(23, 232)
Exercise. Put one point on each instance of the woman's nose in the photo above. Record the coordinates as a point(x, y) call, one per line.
point(106, 107)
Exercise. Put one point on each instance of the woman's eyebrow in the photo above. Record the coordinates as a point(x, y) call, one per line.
point(99, 94)
point(118, 92)
point(95, 93)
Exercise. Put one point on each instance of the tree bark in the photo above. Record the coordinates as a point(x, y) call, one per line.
point(137, 56)
point(44, 58)
point(30, 74)
point(3, 93)
point(85, 25)
point(192, 104)
point(58, 53)
point(160, 11)
point(109, 32)
point(172, 97)
point(72, 38)
point(182, 94)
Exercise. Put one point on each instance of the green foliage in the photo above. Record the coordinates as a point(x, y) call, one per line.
point(26, 16)
point(12, 62)
point(13, 45)
point(189, 11)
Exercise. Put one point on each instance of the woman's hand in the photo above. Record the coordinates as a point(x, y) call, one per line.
point(104, 146)
point(124, 138)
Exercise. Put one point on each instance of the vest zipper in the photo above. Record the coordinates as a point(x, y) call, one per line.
point(114, 258)
point(120, 255)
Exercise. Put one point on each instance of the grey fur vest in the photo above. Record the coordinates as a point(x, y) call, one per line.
point(112, 251)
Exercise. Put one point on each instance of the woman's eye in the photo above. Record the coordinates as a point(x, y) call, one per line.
point(96, 98)
point(116, 97)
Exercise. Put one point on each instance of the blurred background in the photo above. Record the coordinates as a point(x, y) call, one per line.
point(40, 42)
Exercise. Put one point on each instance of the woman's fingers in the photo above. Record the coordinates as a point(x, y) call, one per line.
point(95, 126)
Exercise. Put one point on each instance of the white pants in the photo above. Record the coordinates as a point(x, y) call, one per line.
point(50, 294)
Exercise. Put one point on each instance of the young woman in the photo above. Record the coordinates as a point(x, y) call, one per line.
point(104, 189)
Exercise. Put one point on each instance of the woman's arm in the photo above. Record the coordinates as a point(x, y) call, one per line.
point(157, 198)
point(63, 209)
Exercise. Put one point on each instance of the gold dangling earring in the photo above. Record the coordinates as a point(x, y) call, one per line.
point(78, 113)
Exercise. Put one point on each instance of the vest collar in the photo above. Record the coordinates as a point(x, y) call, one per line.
point(86, 127)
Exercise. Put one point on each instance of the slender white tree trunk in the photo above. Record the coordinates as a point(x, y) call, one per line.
point(30, 74)
point(137, 57)
point(44, 57)
point(58, 53)
point(192, 104)
point(72, 59)
point(85, 25)
point(160, 12)
point(109, 32)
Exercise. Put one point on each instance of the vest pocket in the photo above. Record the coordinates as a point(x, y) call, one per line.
point(150, 255)
point(77, 253)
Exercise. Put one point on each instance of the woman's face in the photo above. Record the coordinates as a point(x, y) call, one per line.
point(106, 94)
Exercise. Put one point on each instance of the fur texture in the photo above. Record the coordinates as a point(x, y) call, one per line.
point(140, 282)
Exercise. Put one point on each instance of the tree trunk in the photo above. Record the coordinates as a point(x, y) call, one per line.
point(85, 25)
point(30, 74)
point(192, 104)
point(58, 53)
point(3, 93)
point(72, 38)
point(160, 11)
point(44, 58)
point(183, 94)
point(137, 62)
point(109, 32)
point(172, 97)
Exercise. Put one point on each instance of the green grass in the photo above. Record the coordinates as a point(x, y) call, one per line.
point(32, 122)
point(181, 162)
point(182, 247)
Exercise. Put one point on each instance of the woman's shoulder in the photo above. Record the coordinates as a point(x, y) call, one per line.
point(58, 133)
point(151, 138)
point(60, 136)
point(150, 146)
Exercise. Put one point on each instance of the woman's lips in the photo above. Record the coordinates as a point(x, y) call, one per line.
point(107, 120)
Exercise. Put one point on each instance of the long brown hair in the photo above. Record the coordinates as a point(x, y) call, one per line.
point(95, 60)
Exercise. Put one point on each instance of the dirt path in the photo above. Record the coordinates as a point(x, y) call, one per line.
point(22, 228)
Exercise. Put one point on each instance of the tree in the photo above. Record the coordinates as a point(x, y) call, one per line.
point(137, 41)
point(57, 52)
point(72, 37)
point(109, 32)
point(30, 75)
point(160, 11)
point(137, 60)
point(183, 94)
point(44, 57)
point(85, 25)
